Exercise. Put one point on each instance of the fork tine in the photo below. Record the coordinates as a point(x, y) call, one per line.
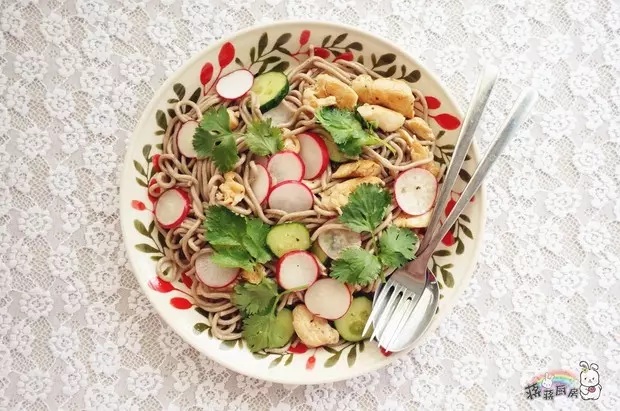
point(406, 309)
point(378, 305)
point(387, 312)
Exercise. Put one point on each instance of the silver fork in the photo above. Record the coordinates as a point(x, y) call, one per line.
point(396, 301)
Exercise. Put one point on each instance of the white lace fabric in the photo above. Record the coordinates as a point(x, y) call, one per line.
point(77, 333)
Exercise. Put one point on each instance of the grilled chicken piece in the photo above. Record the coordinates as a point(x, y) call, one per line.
point(310, 99)
point(420, 128)
point(360, 168)
point(411, 221)
point(326, 87)
point(337, 196)
point(384, 118)
point(393, 94)
point(312, 330)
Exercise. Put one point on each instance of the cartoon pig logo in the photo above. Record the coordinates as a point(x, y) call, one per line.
point(590, 388)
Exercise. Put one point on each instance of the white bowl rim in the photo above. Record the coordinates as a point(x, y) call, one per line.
point(186, 333)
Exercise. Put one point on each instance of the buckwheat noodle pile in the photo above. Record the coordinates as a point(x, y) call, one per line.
point(185, 243)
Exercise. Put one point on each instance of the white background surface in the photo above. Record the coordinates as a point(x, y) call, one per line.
point(76, 332)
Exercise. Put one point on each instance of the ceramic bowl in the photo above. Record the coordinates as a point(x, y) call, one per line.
point(281, 46)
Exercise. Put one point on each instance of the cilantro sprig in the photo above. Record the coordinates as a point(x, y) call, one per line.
point(263, 139)
point(346, 130)
point(366, 209)
point(262, 328)
point(214, 139)
point(237, 241)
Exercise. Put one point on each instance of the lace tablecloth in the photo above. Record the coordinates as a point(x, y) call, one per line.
point(77, 333)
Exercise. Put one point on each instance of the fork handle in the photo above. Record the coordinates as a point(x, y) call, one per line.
point(517, 116)
point(486, 81)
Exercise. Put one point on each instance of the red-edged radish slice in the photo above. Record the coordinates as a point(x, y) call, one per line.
point(285, 166)
point(261, 183)
point(415, 191)
point(212, 274)
point(156, 191)
point(235, 84)
point(328, 298)
point(297, 269)
point(185, 139)
point(262, 160)
point(171, 208)
point(314, 154)
point(291, 196)
point(332, 242)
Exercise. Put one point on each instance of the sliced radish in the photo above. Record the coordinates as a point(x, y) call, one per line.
point(212, 274)
point(185, 139)
point(314, 154)
point(297, 269)
point(235, 84)
point(291, 196)
point(171, 208)
point(415, 191)
point(262, 160)
point(261, 184)
point(328, 298)
point(332, 242)
point(285, 166)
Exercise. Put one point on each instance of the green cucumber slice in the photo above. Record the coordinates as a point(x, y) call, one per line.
point(334, 153)
point(283, 238)
point(318, 252)
point(284, 328)
point(271, 88)
point(351, 325)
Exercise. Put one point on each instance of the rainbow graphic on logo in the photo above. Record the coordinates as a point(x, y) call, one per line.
point(554, 378)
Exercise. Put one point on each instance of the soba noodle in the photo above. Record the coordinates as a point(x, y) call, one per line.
point(185, 243)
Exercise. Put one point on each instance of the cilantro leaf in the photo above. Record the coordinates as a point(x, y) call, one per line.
point(345, 129)
point(397, 246)
point(233, 257)
point(255, 298)
point(237, 241)
point(257, 331)
point(366, 208)
point(356, 266)
point(267, 330)
point(262, 139)
point(255, 240)
point(213, 138)
point(225, 153)
point(224, 227)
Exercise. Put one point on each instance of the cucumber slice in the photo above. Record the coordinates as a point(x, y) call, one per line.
point(283, 332)
point(283, 238)
point(271, 88)
point(318, 252)
point(351, 325)
point(334, 154)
